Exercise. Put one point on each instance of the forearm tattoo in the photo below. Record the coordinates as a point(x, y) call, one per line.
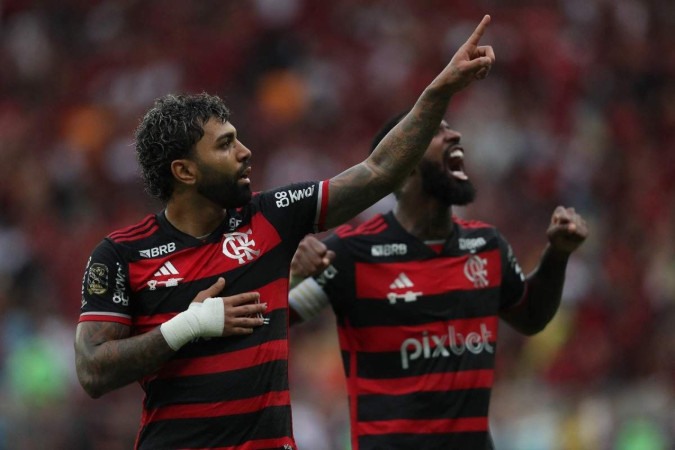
point(106, 357)
point(393, 159)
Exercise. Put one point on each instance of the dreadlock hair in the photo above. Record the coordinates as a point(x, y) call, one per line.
point(169, 131)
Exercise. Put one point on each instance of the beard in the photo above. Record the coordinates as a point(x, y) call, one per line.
point(221, 190)
point(445, 188)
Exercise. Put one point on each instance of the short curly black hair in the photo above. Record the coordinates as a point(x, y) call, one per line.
point(169, 131)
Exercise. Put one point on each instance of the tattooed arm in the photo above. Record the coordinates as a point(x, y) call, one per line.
point(107, 358)
point(355, 189)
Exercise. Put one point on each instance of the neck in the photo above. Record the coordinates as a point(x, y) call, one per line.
point(426, 220)
point(197, 217)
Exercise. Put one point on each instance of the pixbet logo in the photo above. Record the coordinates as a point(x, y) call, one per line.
point(453, 343)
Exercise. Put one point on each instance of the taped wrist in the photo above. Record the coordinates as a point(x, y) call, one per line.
point(308, 299)
point(205, 319)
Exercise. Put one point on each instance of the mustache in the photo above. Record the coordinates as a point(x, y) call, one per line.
point(244, 168)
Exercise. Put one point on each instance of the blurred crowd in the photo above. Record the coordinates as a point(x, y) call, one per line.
point(579, 110)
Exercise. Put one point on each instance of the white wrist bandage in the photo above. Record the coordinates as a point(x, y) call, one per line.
point(308, 299)
point(205, 319)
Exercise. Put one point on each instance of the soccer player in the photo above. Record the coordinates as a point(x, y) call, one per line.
point(192, 302)
point(417, 293)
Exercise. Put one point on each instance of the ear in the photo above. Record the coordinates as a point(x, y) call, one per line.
point(184, 171)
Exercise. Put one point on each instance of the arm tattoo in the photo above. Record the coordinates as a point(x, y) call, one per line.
point(106, 357)
point(355, 189)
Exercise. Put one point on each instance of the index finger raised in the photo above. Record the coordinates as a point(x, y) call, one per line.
point(474, 39)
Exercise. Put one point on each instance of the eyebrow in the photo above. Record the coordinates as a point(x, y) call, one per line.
point(229, 134)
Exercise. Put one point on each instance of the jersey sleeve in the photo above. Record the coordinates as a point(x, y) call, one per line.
point(105, 287)
point(513, 279)
point(297, 209)
point(337, 281)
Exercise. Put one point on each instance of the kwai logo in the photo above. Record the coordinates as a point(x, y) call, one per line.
point(446, 345)
point(327, 275)
point(285, 198)
point(120, 294)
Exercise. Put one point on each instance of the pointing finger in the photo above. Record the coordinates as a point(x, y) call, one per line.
point(479, 31)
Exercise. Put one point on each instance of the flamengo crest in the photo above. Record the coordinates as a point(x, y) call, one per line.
point(475, 270)
point(237, 246)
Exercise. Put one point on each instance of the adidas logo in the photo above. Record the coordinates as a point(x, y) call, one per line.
point(402, 282)
point(166, 269)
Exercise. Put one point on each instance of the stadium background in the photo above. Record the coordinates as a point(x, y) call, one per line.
point(579, 110)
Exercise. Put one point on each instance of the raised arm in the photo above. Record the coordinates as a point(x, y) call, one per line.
point(360, 186)
point(566, 232)
point(107, 358)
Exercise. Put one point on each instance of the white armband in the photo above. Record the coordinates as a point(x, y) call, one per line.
point(205, 319)
point(308, 299)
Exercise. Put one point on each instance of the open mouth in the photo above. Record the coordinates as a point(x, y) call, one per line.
point(455, 163)
point(246, 174)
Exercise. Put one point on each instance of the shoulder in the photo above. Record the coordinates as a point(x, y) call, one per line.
point(373, 226)
point(475, 234)
point(471, 224)
point(140, 230)
point(140, 240)
point(362, 241)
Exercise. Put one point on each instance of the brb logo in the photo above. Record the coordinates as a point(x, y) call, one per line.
point(238, 246)
point(453, 343)
point(159, 250)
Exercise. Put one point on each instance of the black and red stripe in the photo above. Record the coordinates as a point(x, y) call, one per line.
point(216, 393)
point(418, 331)
point(142, 229)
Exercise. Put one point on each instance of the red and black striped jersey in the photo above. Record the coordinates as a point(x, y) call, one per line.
point(418, 329)
point(226, 393)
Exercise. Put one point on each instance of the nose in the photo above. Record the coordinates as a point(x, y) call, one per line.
point(452, 135)
point(243, 153)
